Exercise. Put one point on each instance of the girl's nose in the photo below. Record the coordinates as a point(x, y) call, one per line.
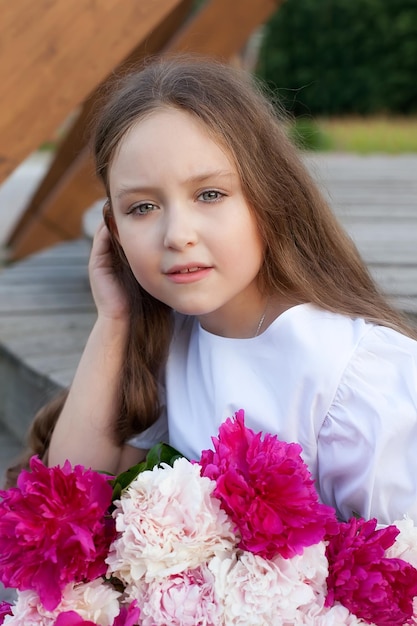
point(179, 229)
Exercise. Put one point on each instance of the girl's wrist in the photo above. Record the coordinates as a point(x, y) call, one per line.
point(113, 325)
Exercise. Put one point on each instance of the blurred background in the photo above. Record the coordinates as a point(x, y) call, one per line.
point(346, 70)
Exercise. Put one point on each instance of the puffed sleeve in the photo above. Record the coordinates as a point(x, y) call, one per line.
point(367, 446)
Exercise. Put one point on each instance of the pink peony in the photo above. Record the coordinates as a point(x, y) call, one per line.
point(185, 599)
point(5, 609)
point(375, 588)
point(267, 490)
point(54, 529)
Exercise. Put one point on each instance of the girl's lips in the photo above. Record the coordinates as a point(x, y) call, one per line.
point(190, 274)
point(187, 270)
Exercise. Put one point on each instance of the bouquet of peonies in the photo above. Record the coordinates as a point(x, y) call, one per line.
point(239, 538)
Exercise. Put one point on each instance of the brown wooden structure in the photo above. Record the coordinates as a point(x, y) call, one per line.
point(55, 58)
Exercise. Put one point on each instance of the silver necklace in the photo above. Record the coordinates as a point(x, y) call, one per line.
point(261, 321)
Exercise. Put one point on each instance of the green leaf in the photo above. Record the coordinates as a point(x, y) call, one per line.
point(160, 453)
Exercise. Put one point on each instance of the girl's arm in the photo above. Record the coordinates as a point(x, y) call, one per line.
point(84, 431)
point(130, 456)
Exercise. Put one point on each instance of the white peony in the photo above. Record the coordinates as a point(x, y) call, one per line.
point(167, 522)
point(405, 545)
point(94, 601)
point(255, 591)
point(28, 611)
point(336, 615)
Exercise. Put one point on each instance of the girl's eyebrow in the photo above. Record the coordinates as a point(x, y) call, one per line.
point(194, 179)
point(133, 189)
point(203, 176)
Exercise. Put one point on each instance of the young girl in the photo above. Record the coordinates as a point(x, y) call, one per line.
point(223, 282)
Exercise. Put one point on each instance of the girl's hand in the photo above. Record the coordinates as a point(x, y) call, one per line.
point(109, 295)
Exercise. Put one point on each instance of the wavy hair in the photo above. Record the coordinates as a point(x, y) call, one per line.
point(308, 255)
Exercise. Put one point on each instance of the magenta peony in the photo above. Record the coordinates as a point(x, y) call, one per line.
point(54, 529)
point(375, 588)
point(5, 609)
point(267, 490)
point(128, 616)
point(71, 618)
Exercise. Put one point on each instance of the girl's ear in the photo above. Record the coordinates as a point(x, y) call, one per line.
point(109, 219)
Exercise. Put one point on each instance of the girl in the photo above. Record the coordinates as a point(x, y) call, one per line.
point(223, 281)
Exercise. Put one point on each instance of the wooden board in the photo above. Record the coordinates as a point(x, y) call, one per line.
point(71, 173)
point(54, 54)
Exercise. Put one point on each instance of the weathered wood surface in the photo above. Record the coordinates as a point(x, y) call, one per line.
point(46, 310)
point(44, 45)
point(376, 200)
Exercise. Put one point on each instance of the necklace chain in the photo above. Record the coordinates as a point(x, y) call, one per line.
point(261, 321)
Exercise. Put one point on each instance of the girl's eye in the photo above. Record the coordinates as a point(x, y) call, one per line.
point(142, 208)
point(211, 195)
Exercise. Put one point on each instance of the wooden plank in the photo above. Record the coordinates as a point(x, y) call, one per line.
point(53, 277)
point(77, 253)
point(43, 324)
point(52, 56)
point(65, 154)
point(407, 304)
point(60, 216)
point(50, 363)
point(72, 286)
point(396, 280)
point(391, 253)
point(380, 229)
point(363, 210)
point(46, 303)
point(220, 28)
point(77, 135)
point(59, 344)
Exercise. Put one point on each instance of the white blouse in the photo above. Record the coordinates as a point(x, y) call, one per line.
point(346, 390)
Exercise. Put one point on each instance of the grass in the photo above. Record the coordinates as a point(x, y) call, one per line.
point(389, 135)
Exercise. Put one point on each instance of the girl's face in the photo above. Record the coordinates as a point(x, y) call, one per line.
point(184, 225)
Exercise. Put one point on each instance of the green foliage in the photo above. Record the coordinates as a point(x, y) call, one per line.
point(160, 453)
point(342, 56)
point(308, 135)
